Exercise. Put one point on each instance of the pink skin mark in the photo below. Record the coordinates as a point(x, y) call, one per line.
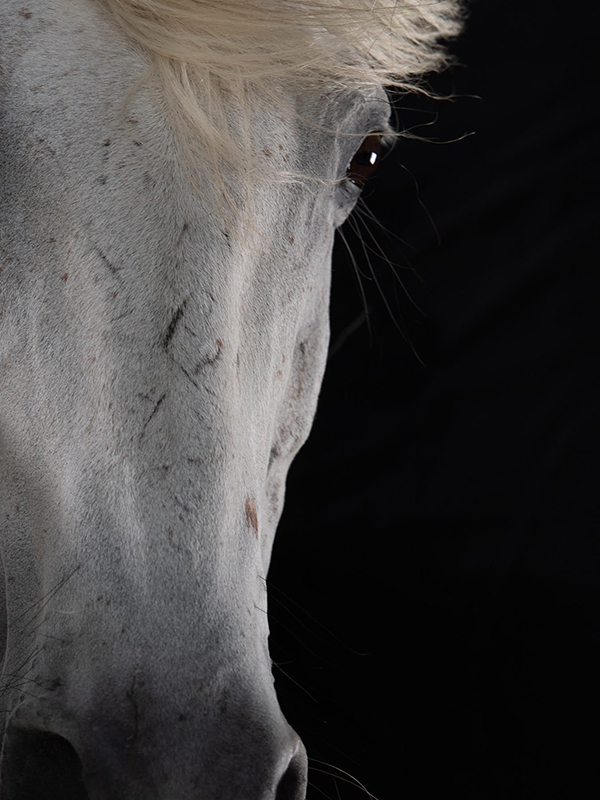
point(252, 516)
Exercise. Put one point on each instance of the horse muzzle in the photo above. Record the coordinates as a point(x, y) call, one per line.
point(42, 765)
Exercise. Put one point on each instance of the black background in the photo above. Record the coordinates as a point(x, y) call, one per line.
point(434, 593)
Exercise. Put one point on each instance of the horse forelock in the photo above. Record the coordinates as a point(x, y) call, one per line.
point(209, 54)
point(397, 40)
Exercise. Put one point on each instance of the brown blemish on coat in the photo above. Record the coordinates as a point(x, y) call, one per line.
point(252, 516)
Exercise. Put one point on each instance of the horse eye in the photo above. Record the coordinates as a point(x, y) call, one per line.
point(365, 161)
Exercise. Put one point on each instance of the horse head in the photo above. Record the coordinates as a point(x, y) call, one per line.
point(162, 345)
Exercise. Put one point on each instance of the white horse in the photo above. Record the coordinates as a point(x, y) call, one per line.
point(172, 173)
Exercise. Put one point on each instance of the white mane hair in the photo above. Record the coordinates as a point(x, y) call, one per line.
point(207, 53)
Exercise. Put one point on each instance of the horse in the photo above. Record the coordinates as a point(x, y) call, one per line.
point(172, 175)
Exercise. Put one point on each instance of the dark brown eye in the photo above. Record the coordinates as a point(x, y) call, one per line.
point(365, 161)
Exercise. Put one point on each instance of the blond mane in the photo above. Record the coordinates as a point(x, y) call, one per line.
point(205, 50)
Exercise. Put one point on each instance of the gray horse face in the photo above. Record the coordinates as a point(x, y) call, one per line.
point(160, 361)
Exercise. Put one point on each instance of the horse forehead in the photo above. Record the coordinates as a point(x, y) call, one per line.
point(71, 66)
point(189, 286)
point(76, 53)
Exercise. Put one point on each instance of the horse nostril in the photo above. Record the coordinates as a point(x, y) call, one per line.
point(38, 765)
point(292, 785)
